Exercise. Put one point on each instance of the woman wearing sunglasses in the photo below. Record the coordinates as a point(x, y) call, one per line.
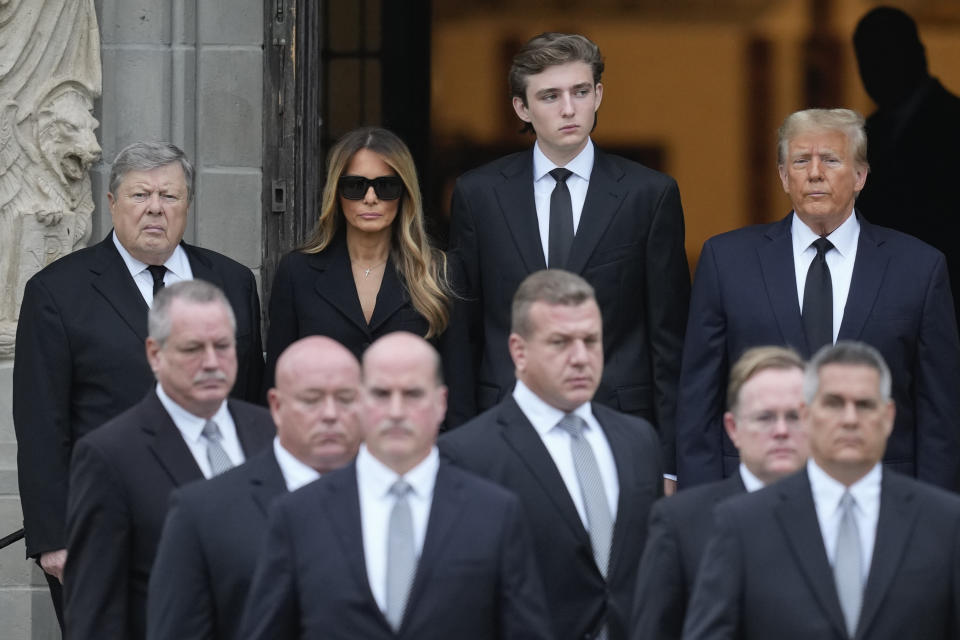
point(368, 268)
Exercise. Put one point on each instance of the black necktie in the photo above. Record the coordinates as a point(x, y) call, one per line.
point(818, 299)
point(561, 221)
point(157, 271)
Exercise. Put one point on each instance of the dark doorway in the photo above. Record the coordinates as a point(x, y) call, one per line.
point(332, 66)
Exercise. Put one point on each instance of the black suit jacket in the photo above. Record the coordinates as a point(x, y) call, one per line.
point(314, 294)
point(765, 573)
point(680, 527)
point(81, 361)
point(745, 295)
point(629, 246)
point(208, 552)
point(475, 578)
point(503, 446)
point(121, 477)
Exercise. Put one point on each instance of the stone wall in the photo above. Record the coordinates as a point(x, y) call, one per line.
point(186, 71)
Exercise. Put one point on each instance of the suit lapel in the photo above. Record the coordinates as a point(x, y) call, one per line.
point(868, 272)
point(797, 517)
point(201, 267)
point(266, 480)
point(515, 195)
point(604, 196)
point(626, 473)
point(166, 442)
point(251, 434)
point(780, 281)
point(343, 512)
point(114, 282)
point(898, 514)
point(334, 282)
point(520, 436)
point(391, 297)
point(448, 502)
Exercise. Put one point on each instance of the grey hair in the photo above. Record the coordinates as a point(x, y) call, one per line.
point(195, 291)
point(146, 156)
point(846, 121)
point(552, 286)
point(847, 352)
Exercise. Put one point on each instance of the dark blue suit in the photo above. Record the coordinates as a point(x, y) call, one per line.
point(745, 295)
point(502, 445)
point(121, 477)
point(680, 527)
point(475, 579)
point(208, 552)
point(765, 573)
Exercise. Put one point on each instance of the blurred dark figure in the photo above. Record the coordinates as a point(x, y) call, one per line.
point(914, 135)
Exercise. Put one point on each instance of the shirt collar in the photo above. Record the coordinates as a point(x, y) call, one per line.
point(190, 425)
point(178, 262)
point(295, 473)
point(379, 477)
point(750, 482)
point(828, 491)
point(581, 165)
point(541, 415)
point(844, 238)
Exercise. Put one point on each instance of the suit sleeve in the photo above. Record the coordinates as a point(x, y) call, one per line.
point(660, 599)
point(467, 317)
point(181, 604)
point(99, 548)
point(668, 297)
point(523, 605)
point(715, 605)
point(42, 378)
point(458, 357)
point(284, 327)
point(254, 364)
point(272, 610)
point(703, 380)
point(937, 385)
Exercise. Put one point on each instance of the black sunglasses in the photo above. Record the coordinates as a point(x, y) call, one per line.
point(355, 187)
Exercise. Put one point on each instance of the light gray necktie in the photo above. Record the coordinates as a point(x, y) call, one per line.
point(401, 554)
point(846, 565)
point(218, 458)
point(599, 520)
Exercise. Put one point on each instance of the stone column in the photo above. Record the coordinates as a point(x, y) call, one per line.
point(183, 71)
point(49, 79)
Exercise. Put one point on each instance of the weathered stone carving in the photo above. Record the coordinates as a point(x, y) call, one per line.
point(49, 78)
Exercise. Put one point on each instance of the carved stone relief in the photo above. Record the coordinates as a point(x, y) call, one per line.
point(49, 78)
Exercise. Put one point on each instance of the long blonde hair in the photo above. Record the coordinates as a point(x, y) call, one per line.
point(422, 267)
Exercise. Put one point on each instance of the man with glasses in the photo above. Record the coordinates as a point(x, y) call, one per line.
point(763, 421)
point(844, 548)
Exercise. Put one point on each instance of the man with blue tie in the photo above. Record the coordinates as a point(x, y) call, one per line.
point(397, 544)
point(845, 548)
point(821, 274)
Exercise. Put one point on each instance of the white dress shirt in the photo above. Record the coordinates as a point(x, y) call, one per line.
point(840, 260)
point(543, 184)
point(866, 496)
point(178, 268)
point(191, 428)
point(544, 419)
point(750, 482)
point(374, 480)
point(295, 473)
